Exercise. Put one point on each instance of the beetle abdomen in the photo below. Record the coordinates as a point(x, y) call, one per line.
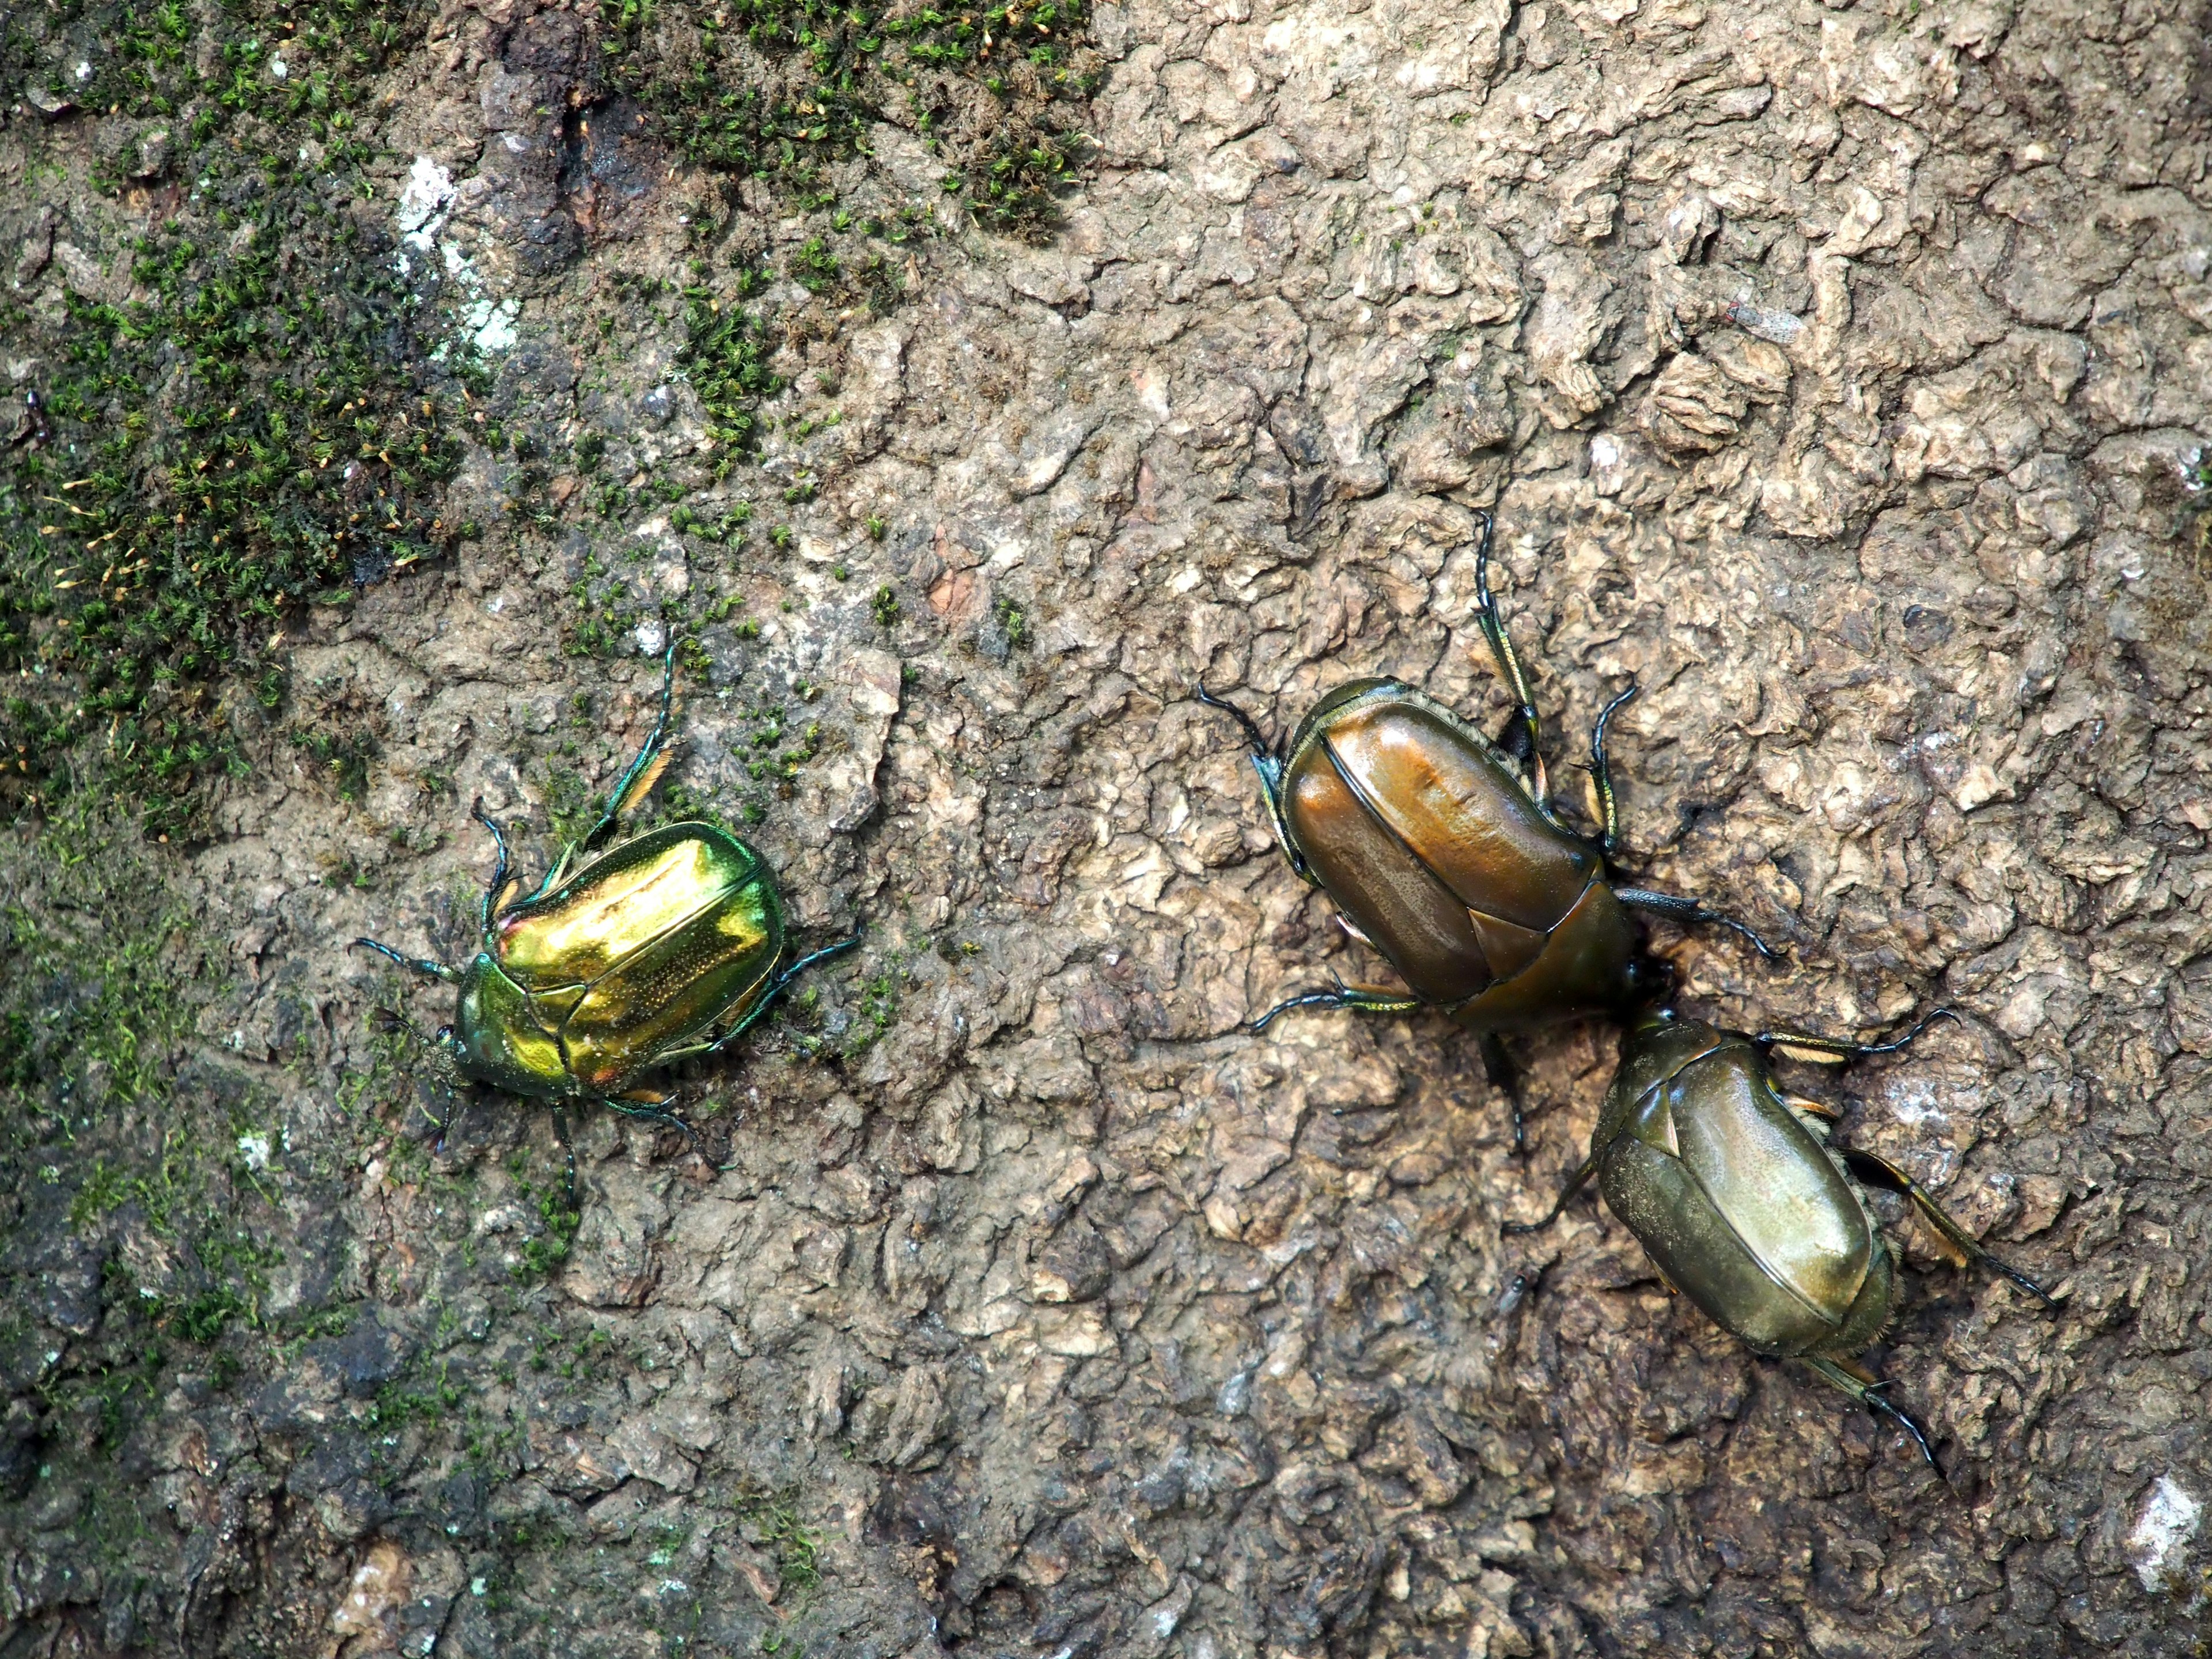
point(1422, 831)
point(1412, 917)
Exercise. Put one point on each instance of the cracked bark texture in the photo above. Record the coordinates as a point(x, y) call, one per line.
point(1839, 375)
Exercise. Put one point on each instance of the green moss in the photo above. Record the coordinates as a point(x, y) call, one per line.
point(782, 90)
point(259, 430)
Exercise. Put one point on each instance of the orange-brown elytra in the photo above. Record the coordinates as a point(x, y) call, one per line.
point(665, 947)
point(1442, 851)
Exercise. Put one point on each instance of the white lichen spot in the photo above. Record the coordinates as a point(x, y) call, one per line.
point(2161, 1536)
point(651, 637)
point(84, 69)
point(1604, 452)
point(424, 202)
point(254, 1149)
point(1913, 1104)
point(492, 323)
point(279, 68)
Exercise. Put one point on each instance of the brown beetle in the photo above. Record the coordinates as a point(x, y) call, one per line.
point(1442, 852)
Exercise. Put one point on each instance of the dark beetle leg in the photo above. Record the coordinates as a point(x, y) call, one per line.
point(1689, 910)
point(1505, 1077)
point(1836, 1051)
point(1260, 744)
point(656, 1114)
point(422, 965)
point(1874, 1171)
point(645, 768)
point(1601, 776)
point(498, 873)
point(1267, 762)
point(1875, 1396)
point(1575, 1183)
point(1529, 749)
point(1344, 996)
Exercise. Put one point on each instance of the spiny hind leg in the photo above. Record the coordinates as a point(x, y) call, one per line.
point(1523, 736)
point(1361, 999)
point(1812, 1046)
point(645, 769)
point(1872, 1393)
point(1959, 1245)
point(421, 965)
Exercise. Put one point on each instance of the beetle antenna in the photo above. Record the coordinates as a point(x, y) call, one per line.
point(1260, 744)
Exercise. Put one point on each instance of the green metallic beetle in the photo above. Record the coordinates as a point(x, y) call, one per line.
point(1442, 853)
point(620, 964)
point(1733, 1188)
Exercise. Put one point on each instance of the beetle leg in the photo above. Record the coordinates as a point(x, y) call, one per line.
point(1601, 771)
point(495, 891)
point(422, 965)
point(1267, 762)
point(569, 1151)
point(1875, 1396)
point(1818, 1050)
point(1689, 910)
point(1961, 1246)
point(1806, 1106)
point(657, 1113)
point(1505, 1077)
point(646, 769)
point(1528, 745)
point(1575, 1183)
point(1367, 1001)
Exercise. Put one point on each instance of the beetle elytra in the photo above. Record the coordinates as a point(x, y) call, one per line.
point(1734, 1189)
point(625, 959)
point(1441, 850)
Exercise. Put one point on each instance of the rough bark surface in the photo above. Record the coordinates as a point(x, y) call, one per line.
point(1842, 376)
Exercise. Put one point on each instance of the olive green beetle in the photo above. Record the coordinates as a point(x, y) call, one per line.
point(1442, 853)
point(1733, 1188)
point(623, 961)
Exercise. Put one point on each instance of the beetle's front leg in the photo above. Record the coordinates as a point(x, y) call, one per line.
point(421, 965)
point(1677, 909)
point(1962, 1246)
point(1818, 1050)
point(1873, 1393)
point(1365, 999)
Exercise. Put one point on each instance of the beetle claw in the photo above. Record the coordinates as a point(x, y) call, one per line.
point(1260, 744)
point(1880, 1405)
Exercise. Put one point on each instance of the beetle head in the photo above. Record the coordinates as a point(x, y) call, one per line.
point(1648, 983)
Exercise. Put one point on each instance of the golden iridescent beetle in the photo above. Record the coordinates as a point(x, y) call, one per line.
point(1442, 853)
point(665, 947)
point(1733, 1188)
